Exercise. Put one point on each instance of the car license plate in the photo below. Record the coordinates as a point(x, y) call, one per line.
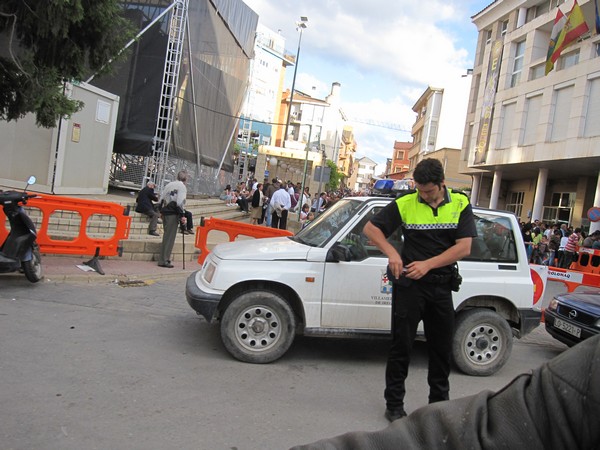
point(567, 327)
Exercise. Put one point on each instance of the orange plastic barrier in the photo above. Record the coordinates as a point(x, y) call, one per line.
point(233, 230)
point(572, 279)
point(82, 244)
point(588, 260)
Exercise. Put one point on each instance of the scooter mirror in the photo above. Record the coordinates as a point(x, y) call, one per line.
point(31, 180)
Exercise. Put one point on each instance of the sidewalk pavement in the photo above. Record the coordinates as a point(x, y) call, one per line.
point(60, 269)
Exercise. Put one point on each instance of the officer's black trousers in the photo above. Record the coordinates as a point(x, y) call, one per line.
point(431, 303)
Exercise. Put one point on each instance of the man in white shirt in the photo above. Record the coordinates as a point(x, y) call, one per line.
point(173, 199)
point(305, 198)
point(281, 204)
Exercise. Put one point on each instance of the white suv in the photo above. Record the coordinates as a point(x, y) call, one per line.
point(329, 280)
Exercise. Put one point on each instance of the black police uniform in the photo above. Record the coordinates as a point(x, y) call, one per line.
point(427, 232)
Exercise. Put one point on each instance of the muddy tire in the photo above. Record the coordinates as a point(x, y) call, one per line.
point(258, 327)
point(482, 342)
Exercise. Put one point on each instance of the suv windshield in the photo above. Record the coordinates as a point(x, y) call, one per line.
point(328, 223)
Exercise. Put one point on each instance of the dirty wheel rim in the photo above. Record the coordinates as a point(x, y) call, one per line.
point(258, 328)
point(483, 344)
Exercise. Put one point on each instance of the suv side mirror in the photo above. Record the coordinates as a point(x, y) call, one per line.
point(339, 252)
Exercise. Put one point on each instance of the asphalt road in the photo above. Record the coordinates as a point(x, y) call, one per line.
point(100, 366)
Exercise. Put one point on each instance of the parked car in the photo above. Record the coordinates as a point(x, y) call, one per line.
point(573, 317)
point(329, 280)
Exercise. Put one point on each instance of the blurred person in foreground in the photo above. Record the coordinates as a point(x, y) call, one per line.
point(556, 406)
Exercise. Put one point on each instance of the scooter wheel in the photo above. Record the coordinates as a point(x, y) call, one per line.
point(33, 267)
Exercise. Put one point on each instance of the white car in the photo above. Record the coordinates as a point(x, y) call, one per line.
point(329, 280)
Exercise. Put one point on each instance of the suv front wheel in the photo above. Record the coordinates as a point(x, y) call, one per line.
point(258, 327)
point(482, 342)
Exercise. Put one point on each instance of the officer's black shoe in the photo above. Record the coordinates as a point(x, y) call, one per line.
point(395, 414)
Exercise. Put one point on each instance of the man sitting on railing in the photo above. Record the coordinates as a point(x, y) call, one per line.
point(145, 205)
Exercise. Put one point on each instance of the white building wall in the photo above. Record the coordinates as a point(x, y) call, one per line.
point(265, 72)
point(453, 113)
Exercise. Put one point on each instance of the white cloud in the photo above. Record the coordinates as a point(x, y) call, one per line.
point(384, 53)
point(311, 85)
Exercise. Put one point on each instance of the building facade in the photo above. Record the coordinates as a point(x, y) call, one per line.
point(532, 144)
point(306, 117)
point(363, 174)
point(263, 97)
point(309, 142)
point(346, 155)
point(399, 164)
point(438, 129)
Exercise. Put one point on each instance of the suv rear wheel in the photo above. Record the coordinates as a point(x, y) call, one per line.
point(482, 342)
point(258, 327)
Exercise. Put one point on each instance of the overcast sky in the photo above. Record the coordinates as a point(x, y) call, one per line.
point(384, 53)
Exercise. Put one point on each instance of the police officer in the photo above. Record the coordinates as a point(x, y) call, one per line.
point(438, 227)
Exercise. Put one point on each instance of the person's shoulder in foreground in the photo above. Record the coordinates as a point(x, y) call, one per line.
point(554, 407)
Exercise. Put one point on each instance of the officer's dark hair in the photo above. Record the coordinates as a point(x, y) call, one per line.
point(429, 170)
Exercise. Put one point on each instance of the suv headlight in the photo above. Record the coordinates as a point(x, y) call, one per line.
point(209, 272)
point(553, 304)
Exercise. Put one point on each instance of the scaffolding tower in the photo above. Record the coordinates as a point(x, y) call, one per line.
point(156, 165)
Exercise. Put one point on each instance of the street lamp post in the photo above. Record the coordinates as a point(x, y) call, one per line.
point(304, 172)
point(301, 25)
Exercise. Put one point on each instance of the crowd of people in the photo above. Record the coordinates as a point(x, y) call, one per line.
point(556, 244)
point(270, 203)
point(267, 203)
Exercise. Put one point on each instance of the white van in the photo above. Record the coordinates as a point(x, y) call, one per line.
point(329, 280)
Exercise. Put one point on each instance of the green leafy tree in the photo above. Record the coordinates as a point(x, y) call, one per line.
point(334, 177)
point(44, 43)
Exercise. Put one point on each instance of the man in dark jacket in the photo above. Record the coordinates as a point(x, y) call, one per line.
point(145, 205)
point(271, 189)
point(555, 407)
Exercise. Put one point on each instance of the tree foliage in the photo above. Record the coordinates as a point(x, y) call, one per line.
point(47, 42)
point(335, 176)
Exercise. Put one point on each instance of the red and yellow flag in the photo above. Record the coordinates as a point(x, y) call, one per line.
point(559, 24)
point(574, 27)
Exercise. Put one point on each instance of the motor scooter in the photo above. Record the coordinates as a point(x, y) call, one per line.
point(20, 250)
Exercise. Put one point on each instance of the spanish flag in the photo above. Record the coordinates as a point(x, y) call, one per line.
point(574, 27)
point(559, 23)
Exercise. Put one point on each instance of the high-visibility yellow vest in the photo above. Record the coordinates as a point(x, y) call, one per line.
point(419, 216)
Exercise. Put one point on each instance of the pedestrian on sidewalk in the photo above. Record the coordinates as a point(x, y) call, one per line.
point(173, 213)
point(280, 204)
point(145, 205)
point(270, 190)
point(258, 199)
